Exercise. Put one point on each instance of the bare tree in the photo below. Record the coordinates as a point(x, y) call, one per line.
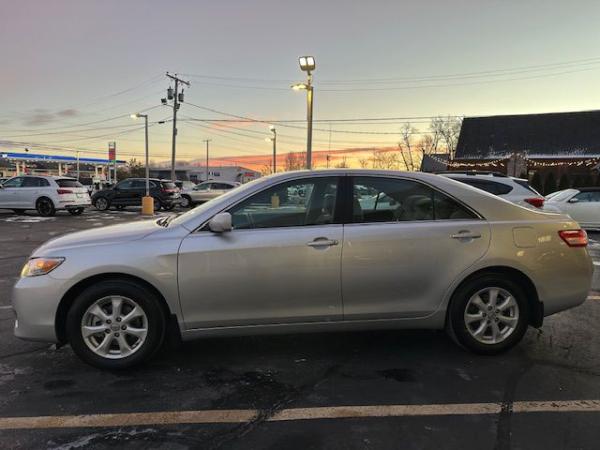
point(266, 169)
point(447, 131)
point(295, 161)
point(385, 159)
point(343, 164)
point(364, 163)
point(406, 148)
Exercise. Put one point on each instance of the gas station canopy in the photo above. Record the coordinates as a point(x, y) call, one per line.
point(57, 158)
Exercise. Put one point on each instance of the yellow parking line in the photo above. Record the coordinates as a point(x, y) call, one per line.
point(332, 412)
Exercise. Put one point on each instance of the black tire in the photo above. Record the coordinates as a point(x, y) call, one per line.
point(186, 201)
point(76, 211)
point(145, 298)
point(457, 327)
point(101, 203)
point(45, 207)
point(19, 211)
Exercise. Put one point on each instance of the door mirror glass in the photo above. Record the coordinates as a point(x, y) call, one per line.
point(220, 223)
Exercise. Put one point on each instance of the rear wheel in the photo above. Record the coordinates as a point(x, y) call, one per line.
point(101, 203)
point(76, 211)
point(45, 207)
point(488, 314)
point(186, 201)
point(115, 324)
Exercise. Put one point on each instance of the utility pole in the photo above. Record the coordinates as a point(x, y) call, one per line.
point(207, 141)
point(77, 165)
point(177, 99)
point(274, 140)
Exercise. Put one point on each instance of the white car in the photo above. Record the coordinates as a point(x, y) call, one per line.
point(45, 194)
point(205, 191)
point(583, 205)
point(516, 190)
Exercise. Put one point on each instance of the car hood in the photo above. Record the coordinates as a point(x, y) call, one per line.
point(105, 235)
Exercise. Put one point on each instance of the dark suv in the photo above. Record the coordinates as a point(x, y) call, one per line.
point(129, 192)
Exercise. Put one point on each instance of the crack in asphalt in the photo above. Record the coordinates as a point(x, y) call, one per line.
point(24, 352)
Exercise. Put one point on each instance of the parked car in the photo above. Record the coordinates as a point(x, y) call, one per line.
point(516, 190)
point(184, 185)
point(129, 192)
point(45, 194)
point(443, 255)
point(582, 204)
point(206, 191)
point(3, 179)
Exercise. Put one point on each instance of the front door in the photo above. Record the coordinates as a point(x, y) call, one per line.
point(280, 263)
point(124, 193)
point(9, 193)
point(405, 245)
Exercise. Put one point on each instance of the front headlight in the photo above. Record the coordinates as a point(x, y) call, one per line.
point(40, 266)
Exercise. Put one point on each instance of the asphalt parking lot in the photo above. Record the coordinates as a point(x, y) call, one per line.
point(367, 390)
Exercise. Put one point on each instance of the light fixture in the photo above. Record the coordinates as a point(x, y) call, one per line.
point(272, 127)
point(307, 63)
point(299, 86)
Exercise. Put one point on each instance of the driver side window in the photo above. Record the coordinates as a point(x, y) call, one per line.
point(14, 182)
point(295, 203)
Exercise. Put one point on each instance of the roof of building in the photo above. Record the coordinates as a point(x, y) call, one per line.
point(436, 162)
point(570, 134)
point(55, 158)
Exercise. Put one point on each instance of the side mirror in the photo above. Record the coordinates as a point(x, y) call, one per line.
point(220, 223)
point(573, 200)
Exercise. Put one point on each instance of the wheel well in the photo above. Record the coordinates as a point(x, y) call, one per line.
point(43, 196)
point(74, 291)
point(536, 308)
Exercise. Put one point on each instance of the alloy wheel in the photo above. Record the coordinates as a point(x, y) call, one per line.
point(101, 204)
point(491, 315)
point(114, 327)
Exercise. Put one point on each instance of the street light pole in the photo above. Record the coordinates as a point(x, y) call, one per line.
point(77, 165)
point(207, 141)
point(307, 64)
point(274, 139)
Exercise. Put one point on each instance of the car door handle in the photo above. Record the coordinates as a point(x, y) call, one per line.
point(322, 242)
point(466, 235)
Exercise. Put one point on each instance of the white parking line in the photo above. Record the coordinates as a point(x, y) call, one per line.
point(333, 412)
point(6, 307)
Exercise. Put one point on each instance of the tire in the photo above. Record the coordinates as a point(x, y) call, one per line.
point(76, 211)
point(19, 211)
point(168, 208)
point(110, 351)
point(45, 207)
point(499, 328)
point(186, 201)
point(101, 203)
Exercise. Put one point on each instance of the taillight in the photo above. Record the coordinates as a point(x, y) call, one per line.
point(574, 238)
point(64, 191)
point(538, 202)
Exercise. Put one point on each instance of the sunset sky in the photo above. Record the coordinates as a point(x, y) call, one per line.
point(73, 71)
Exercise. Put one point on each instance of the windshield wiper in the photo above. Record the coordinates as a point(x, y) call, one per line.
point(164, 221)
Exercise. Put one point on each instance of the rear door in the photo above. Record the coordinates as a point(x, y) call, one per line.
point(31, 189)
point(405, 245)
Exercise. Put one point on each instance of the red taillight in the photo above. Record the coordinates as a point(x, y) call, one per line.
point(574, 238)
point(538, 202)
point(64, 191)
point(169, 191)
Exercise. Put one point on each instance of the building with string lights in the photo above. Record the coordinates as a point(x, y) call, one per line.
point(552, 148)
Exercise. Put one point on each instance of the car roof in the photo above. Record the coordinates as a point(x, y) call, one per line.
point(588, 189)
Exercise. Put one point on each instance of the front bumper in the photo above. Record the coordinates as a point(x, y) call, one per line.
point(35, 302)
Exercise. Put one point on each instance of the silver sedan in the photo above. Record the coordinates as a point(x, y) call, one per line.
point(308, 251)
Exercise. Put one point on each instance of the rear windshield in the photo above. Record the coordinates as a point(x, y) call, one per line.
point(489, 186)
point(523, 183)
point(67, 183)
point(168, 185)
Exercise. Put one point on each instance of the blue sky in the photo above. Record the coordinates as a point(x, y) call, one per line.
point(64, 61)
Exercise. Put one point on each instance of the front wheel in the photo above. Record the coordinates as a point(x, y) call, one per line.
point(186, 201)
point(115, 324)
point(489, 314)
point(76, 211)
point(45, 207)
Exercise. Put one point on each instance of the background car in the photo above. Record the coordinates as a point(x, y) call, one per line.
point(441, 255)
point(45, 194)
point(582, 204)
point(129, 192)
point(3, 179)
point(206, 191)
point(516, 190)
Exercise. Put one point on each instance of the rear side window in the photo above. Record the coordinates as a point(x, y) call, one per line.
point(378, 199)
point(67, 183)
point(168, 185)
point(523, 183)
point(35, 182)
point(489, 186)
